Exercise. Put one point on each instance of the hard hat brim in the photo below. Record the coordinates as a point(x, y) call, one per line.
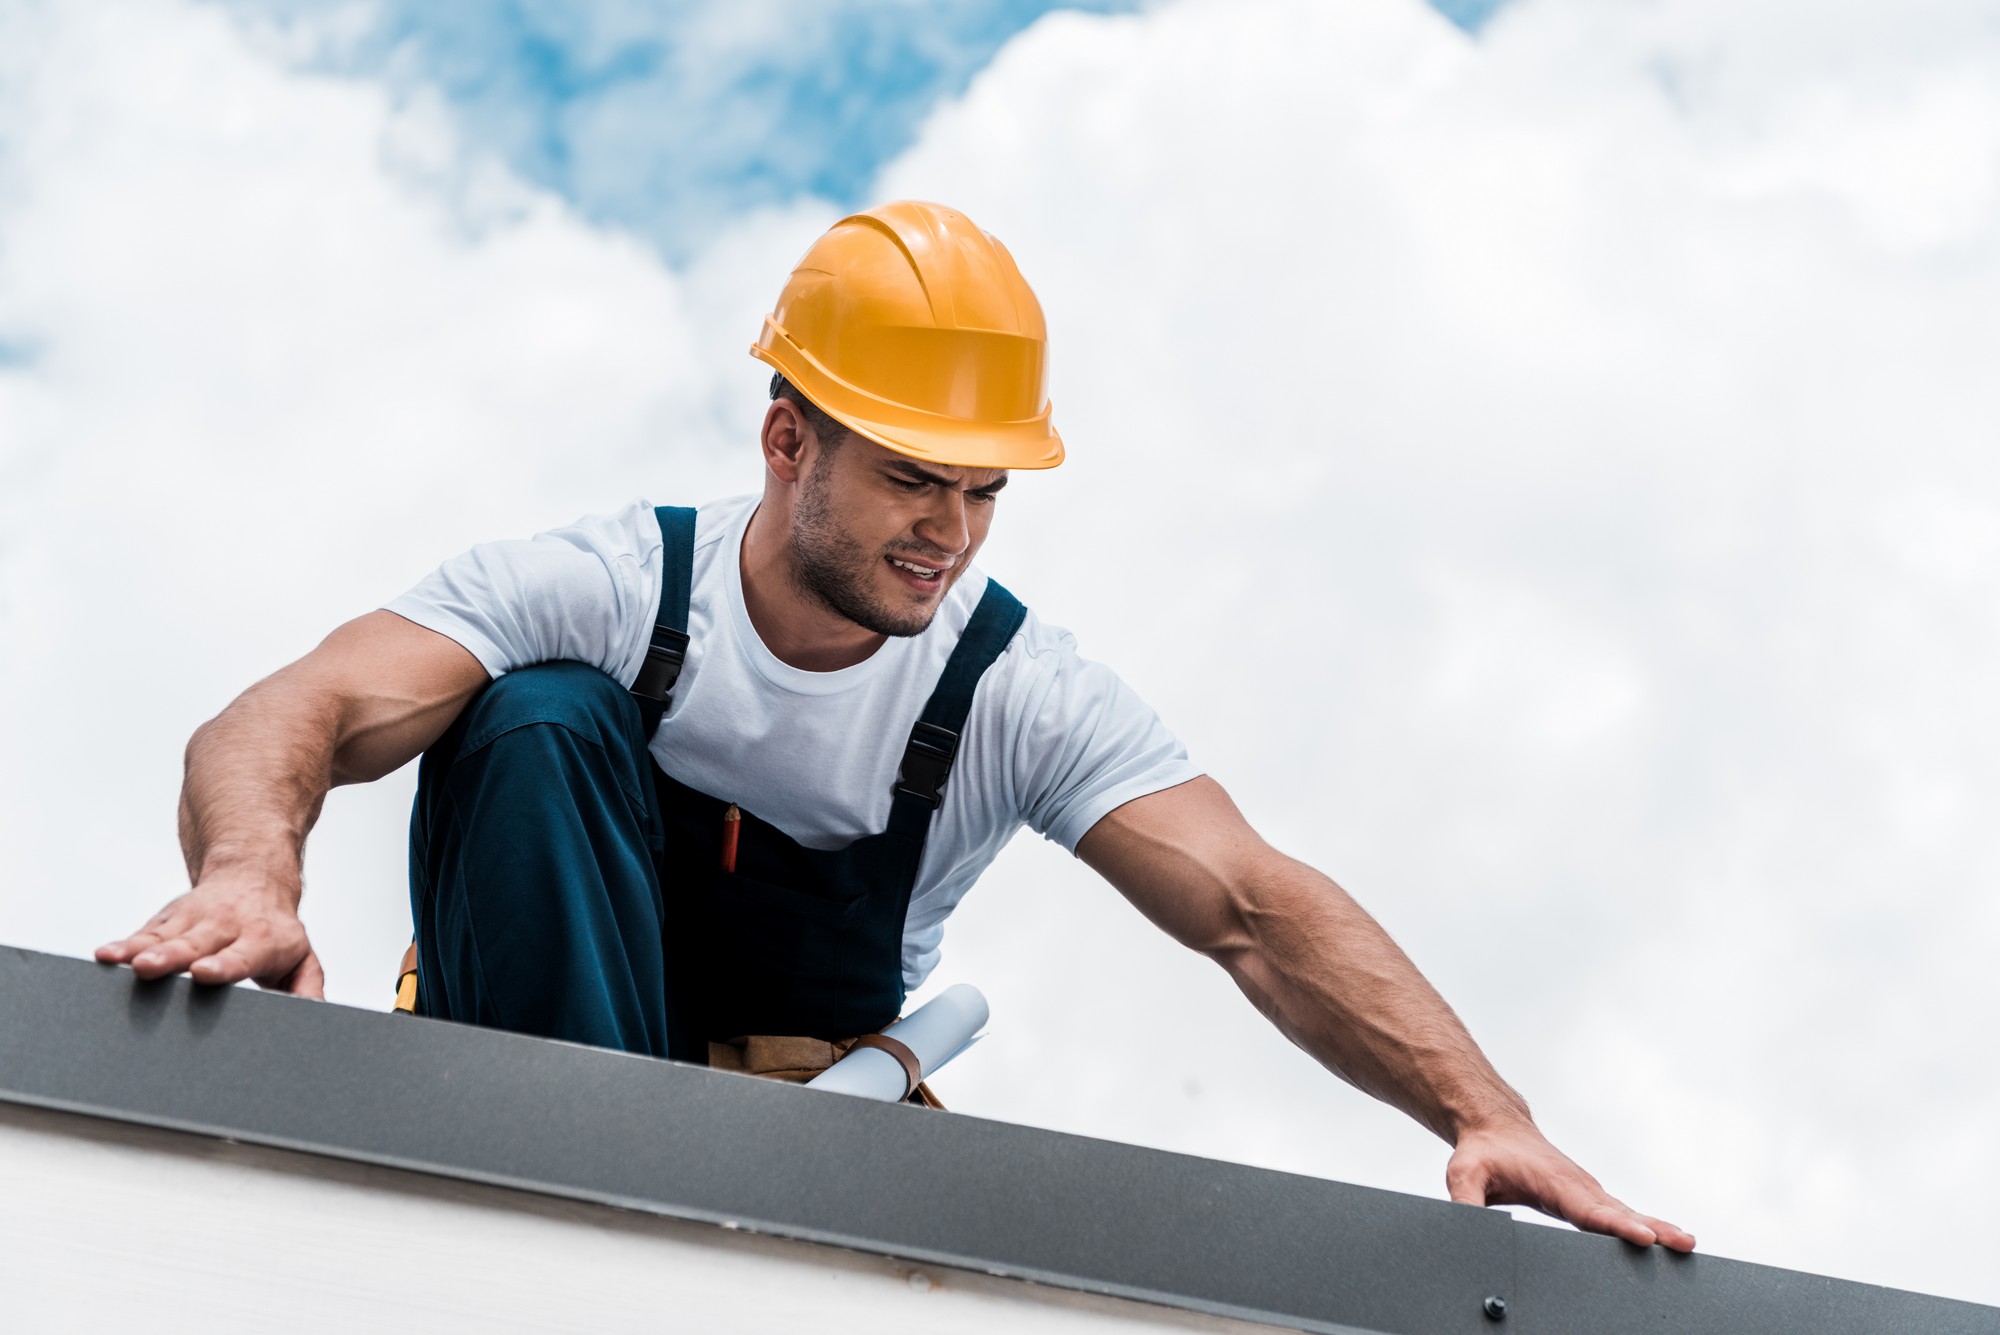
point(933, 437)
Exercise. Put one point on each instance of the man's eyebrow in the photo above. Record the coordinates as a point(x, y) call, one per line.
point(918, 473)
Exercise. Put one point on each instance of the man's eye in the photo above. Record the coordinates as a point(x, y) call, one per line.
point(905, 484)
point(982, 497)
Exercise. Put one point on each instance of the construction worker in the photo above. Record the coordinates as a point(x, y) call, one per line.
point(695, 778)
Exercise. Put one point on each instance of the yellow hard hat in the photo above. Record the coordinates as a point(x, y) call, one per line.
point(913, 327)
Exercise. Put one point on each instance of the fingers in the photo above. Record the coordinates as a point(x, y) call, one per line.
point(1671, 1235)
point(175, 953)
point(270, 953)
point(162, 926)
point(220, 937)
point(121, 952)
point(1616, 1221)
point(231, 963)
point(1520, 1167)
point(1598, 1212)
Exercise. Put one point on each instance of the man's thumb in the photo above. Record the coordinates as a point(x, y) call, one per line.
point(1466, 1181)
point(308, 979)
point(311, 978)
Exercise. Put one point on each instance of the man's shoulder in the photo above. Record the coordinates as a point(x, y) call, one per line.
point(1035, 658)
point(1034, 637)
point(1037, 640)
point(713, 518)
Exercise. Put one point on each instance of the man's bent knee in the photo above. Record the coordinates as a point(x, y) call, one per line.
point(570, 695)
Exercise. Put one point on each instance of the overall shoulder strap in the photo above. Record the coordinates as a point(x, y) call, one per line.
point(654, 686)
point(933, 744)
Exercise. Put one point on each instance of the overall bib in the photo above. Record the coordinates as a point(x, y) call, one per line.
point(564, 885)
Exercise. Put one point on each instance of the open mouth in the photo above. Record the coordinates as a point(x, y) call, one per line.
point(924, 577)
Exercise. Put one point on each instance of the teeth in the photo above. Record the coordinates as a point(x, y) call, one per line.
point(922, 572)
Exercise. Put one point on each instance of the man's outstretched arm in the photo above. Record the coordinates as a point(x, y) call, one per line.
point(1322, 970)
point(373, 695)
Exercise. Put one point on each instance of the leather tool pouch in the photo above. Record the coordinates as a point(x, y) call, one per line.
point(795, 1060)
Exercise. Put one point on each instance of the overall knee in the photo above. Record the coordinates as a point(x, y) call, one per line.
point(570, 695)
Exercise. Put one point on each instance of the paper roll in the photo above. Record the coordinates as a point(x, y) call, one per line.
point(936, 1031)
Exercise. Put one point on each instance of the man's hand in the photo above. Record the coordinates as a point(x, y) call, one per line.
point(1514, 1164)
point(372, 696)
point(232, 926)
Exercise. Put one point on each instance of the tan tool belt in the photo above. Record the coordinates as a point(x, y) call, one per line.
point(781, 1057)
point(775, 1057)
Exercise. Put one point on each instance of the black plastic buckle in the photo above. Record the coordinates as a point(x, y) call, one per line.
point(662, 667)
point(927, 763)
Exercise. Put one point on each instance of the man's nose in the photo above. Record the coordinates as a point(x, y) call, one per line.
point(946, 527)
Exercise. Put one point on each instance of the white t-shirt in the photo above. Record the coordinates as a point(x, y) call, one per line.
point(1054, 740)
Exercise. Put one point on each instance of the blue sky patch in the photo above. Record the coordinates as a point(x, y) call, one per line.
point(666, 117)
point(1470, 15)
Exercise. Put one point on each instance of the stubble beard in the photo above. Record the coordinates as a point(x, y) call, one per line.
point(833, 570)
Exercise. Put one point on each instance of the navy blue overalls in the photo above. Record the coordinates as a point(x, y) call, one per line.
point(564, 885)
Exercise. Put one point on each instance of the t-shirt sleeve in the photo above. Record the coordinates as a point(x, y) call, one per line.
point(580, 593)
point(1089, 746)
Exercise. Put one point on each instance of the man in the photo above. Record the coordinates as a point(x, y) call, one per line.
point(735, 766)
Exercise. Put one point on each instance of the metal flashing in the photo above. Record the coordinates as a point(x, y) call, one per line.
point(690, 1143)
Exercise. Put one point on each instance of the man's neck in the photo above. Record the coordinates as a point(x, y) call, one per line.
point(797, 628)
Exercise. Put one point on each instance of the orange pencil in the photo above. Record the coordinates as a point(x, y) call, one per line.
point(732, 821)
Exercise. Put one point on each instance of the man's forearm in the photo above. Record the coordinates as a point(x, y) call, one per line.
point(376, 693)
point(256, 777)
point(1323, 970)
point(1331, 979)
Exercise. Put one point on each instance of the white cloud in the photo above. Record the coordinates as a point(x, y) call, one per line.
point(1553, 485)
point(1549, 480)
point(290, 348)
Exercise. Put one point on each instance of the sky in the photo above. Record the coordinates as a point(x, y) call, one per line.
point(1541, 460)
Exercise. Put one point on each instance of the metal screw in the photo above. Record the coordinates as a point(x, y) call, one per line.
point(1495, 1308)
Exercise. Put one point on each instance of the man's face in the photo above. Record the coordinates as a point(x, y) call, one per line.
point(879, 537)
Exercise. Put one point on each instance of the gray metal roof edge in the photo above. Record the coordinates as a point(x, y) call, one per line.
point(948, 1189)
point(825, 1237)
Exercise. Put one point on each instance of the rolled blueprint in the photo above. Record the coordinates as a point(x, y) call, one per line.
point(936, 1031)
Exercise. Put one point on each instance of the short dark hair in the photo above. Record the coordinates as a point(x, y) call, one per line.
point(831, 433)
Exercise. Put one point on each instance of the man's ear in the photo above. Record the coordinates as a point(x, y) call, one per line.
point(784, 440)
